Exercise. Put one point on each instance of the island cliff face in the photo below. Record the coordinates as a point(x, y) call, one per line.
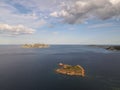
point(35, 46)
point(66, 69)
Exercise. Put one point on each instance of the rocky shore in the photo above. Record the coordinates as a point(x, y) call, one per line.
point(66, 69)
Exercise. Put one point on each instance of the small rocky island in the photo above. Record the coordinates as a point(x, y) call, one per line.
point(37, 45)
point(66, 69)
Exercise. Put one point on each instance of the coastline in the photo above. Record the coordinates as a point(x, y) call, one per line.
point(35, 46)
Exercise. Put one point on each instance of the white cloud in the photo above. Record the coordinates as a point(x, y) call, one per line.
point(15, 30)
point(78, 11)
point(62, 13)
point(54, 14)
point(114, 1)
point(11, 15)
point(101, 25)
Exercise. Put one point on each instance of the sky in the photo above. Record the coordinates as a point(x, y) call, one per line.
point(60, 21)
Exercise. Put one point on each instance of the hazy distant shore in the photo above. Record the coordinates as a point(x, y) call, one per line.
point(35, 46)
point(109, 47)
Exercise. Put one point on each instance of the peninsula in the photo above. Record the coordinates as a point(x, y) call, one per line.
point(66, 69)
point(113, 48)
point(108, 47)
point(37, 45)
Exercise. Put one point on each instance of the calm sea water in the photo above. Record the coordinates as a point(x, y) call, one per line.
point(34, 69)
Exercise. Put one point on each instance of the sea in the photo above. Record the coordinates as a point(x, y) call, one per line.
point(34, 68)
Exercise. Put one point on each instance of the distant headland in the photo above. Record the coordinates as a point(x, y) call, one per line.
point(36, 45)
point(108, 47)
point(66, 69)
point(113, 48)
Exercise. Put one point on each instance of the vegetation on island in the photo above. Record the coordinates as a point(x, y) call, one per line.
point(37, 45)
point(66, 69)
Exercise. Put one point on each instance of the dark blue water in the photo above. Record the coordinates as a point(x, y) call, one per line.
point(34, 69)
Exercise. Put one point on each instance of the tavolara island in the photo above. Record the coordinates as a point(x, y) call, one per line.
point(35, 46)
point(66, 69)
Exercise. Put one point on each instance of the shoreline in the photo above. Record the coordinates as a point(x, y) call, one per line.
point(66, 69)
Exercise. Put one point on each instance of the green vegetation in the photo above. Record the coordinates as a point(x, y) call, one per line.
point(71, 70)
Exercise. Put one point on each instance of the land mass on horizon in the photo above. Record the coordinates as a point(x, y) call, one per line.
point(113, 48)
point(36, 45)
point(108, 47)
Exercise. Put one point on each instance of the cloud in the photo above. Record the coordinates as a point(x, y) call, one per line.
point(15, 30)
point(54, 14)
point(50, 26)
point(11, 15)
point(72, 29)
point(103, 25)
point(55, 33)
point(79, 11)
point(36, 5)
point(62, 13)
